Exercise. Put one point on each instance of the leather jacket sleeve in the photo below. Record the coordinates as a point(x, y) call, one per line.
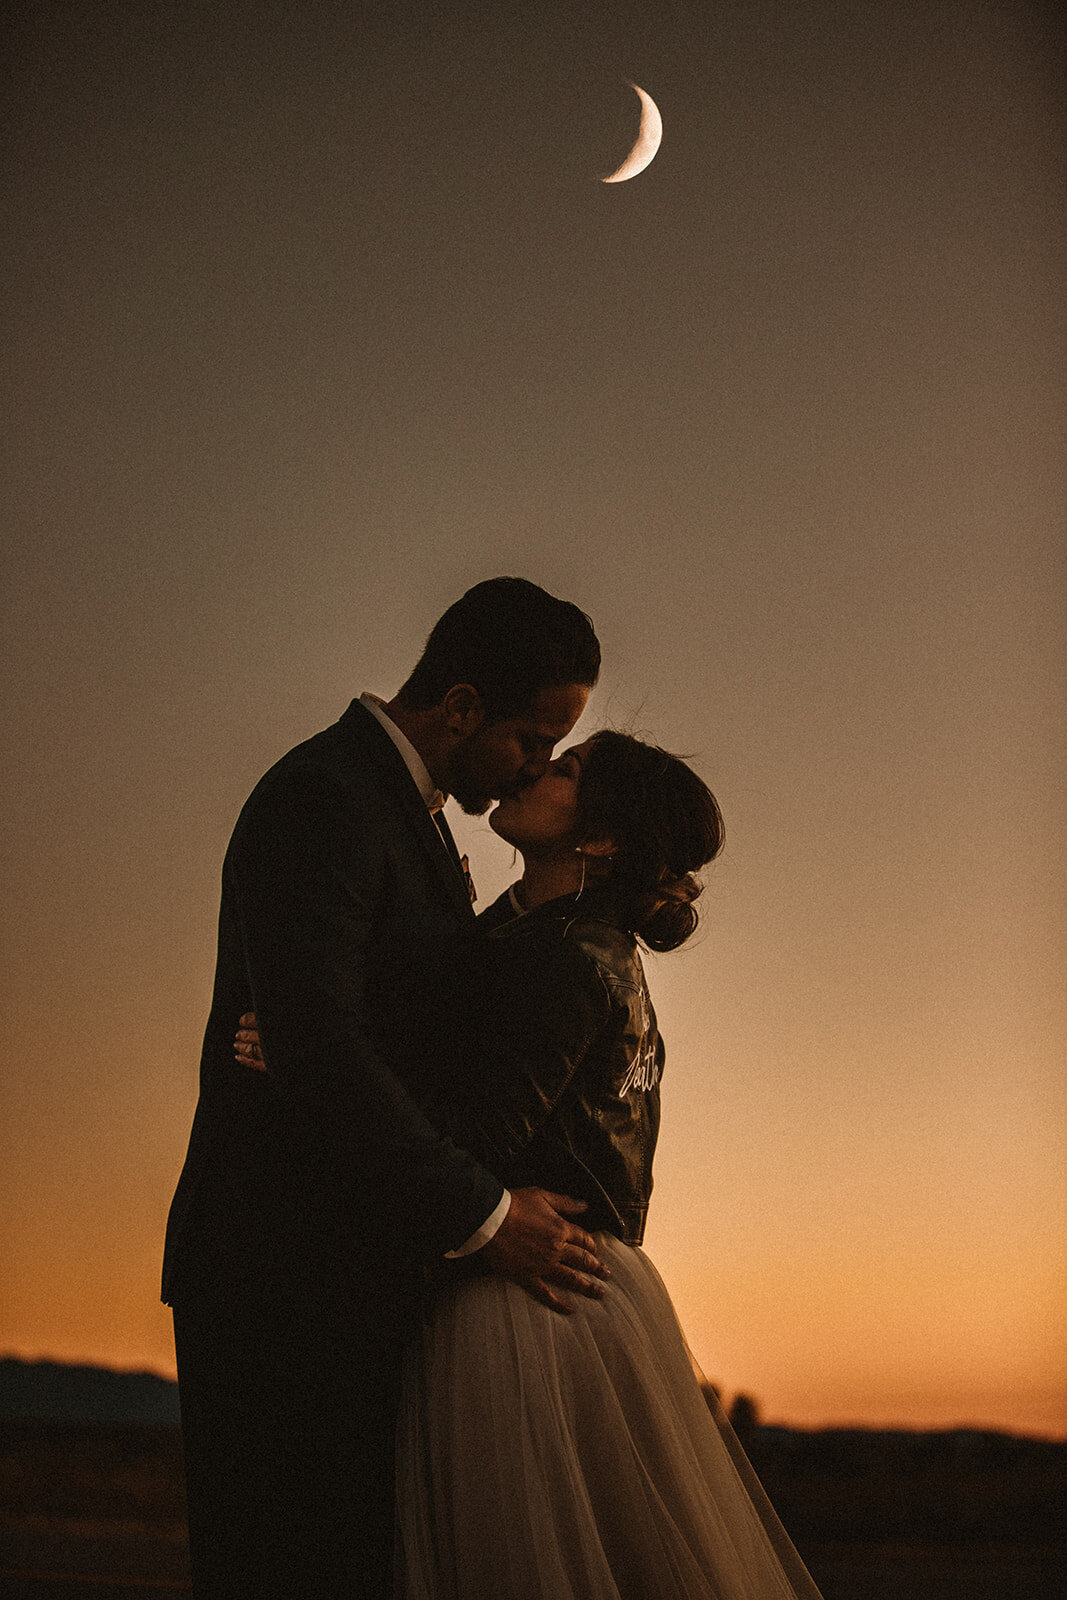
point(529, 1027)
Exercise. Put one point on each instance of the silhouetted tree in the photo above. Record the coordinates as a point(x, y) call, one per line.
point(744, 1417)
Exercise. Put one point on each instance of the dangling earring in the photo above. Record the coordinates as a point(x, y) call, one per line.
point(581, 886)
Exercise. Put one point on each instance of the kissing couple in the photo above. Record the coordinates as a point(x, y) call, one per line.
point(421, 1354)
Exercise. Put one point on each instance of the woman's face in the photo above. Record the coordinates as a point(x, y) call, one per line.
point(541, 819)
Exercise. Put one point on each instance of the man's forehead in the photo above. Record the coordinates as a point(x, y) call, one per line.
point(554, 711)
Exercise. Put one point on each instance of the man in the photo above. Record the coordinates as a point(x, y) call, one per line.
point(314, 1193)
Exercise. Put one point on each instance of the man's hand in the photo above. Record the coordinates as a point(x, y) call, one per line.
point(536, 1247)
point(246, 1051)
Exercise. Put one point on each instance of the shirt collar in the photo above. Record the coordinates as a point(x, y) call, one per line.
point(429, 791)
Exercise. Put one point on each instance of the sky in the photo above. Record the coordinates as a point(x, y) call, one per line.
point(317, 315)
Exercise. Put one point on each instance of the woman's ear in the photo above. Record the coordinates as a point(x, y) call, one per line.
point(597, 847)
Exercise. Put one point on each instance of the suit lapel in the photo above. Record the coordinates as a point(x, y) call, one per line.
point(462, 864)
point(440, 822)
point(403, 800)
point(445, 862)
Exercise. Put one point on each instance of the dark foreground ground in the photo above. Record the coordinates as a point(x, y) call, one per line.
point(97, 1509)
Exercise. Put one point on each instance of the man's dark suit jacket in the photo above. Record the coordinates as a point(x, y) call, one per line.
point(342, 914)
point(309, 1192)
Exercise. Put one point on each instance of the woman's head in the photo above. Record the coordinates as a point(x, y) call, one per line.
point(641, 819)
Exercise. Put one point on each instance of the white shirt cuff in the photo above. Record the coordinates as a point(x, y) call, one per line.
point(485, 1232)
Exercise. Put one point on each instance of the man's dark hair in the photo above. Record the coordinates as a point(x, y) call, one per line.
point(508, 639)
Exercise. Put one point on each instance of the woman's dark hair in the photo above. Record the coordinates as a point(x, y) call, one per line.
point(508, 638)
point(665, 824)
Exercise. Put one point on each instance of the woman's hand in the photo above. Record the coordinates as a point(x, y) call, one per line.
point(246, 1051)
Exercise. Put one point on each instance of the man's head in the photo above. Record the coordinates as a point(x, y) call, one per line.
point(504, 676)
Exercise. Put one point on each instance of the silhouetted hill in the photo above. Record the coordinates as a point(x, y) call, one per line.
point(53, 1391)
point(959, 1486)
point(91, 1487)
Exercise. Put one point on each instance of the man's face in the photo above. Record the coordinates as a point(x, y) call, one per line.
point(503, 756)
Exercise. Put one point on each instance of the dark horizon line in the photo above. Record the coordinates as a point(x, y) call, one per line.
point(10, 1359)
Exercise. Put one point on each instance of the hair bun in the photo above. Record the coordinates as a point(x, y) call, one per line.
point(671, 916)
point(666, 824)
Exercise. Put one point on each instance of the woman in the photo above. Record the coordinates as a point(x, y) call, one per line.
point(543, 1457)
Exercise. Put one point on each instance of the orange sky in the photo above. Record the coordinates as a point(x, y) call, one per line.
point(315, 327)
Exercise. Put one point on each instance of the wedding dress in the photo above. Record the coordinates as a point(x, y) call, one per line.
point(550, 1457)
point(544, 1457)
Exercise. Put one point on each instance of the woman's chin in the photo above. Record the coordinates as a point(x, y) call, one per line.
point(495, 823)
point(503, 826)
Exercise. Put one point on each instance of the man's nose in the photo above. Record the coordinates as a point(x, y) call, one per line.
point(533, 767)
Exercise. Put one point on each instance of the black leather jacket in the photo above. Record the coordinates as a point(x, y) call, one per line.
point(557, 1076)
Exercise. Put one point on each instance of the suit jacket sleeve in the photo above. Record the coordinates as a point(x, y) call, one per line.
point(308, 875)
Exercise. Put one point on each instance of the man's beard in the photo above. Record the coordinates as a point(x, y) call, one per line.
point(464, 788)
point(474, 804)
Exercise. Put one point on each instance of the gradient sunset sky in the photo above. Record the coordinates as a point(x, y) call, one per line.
point(319, 314)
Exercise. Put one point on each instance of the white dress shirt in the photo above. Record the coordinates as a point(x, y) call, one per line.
point(434, 799)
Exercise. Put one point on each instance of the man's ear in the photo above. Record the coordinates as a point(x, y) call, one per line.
point(597, 847)
point(463, 710)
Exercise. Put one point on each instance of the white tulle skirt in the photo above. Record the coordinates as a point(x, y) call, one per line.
point(542, 1457)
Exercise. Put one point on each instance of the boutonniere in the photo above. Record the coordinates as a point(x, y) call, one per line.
point(468, 880)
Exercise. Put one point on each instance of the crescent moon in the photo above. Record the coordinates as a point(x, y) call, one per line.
point(649, 135)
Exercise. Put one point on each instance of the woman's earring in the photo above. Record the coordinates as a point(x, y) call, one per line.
point(581, 886)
